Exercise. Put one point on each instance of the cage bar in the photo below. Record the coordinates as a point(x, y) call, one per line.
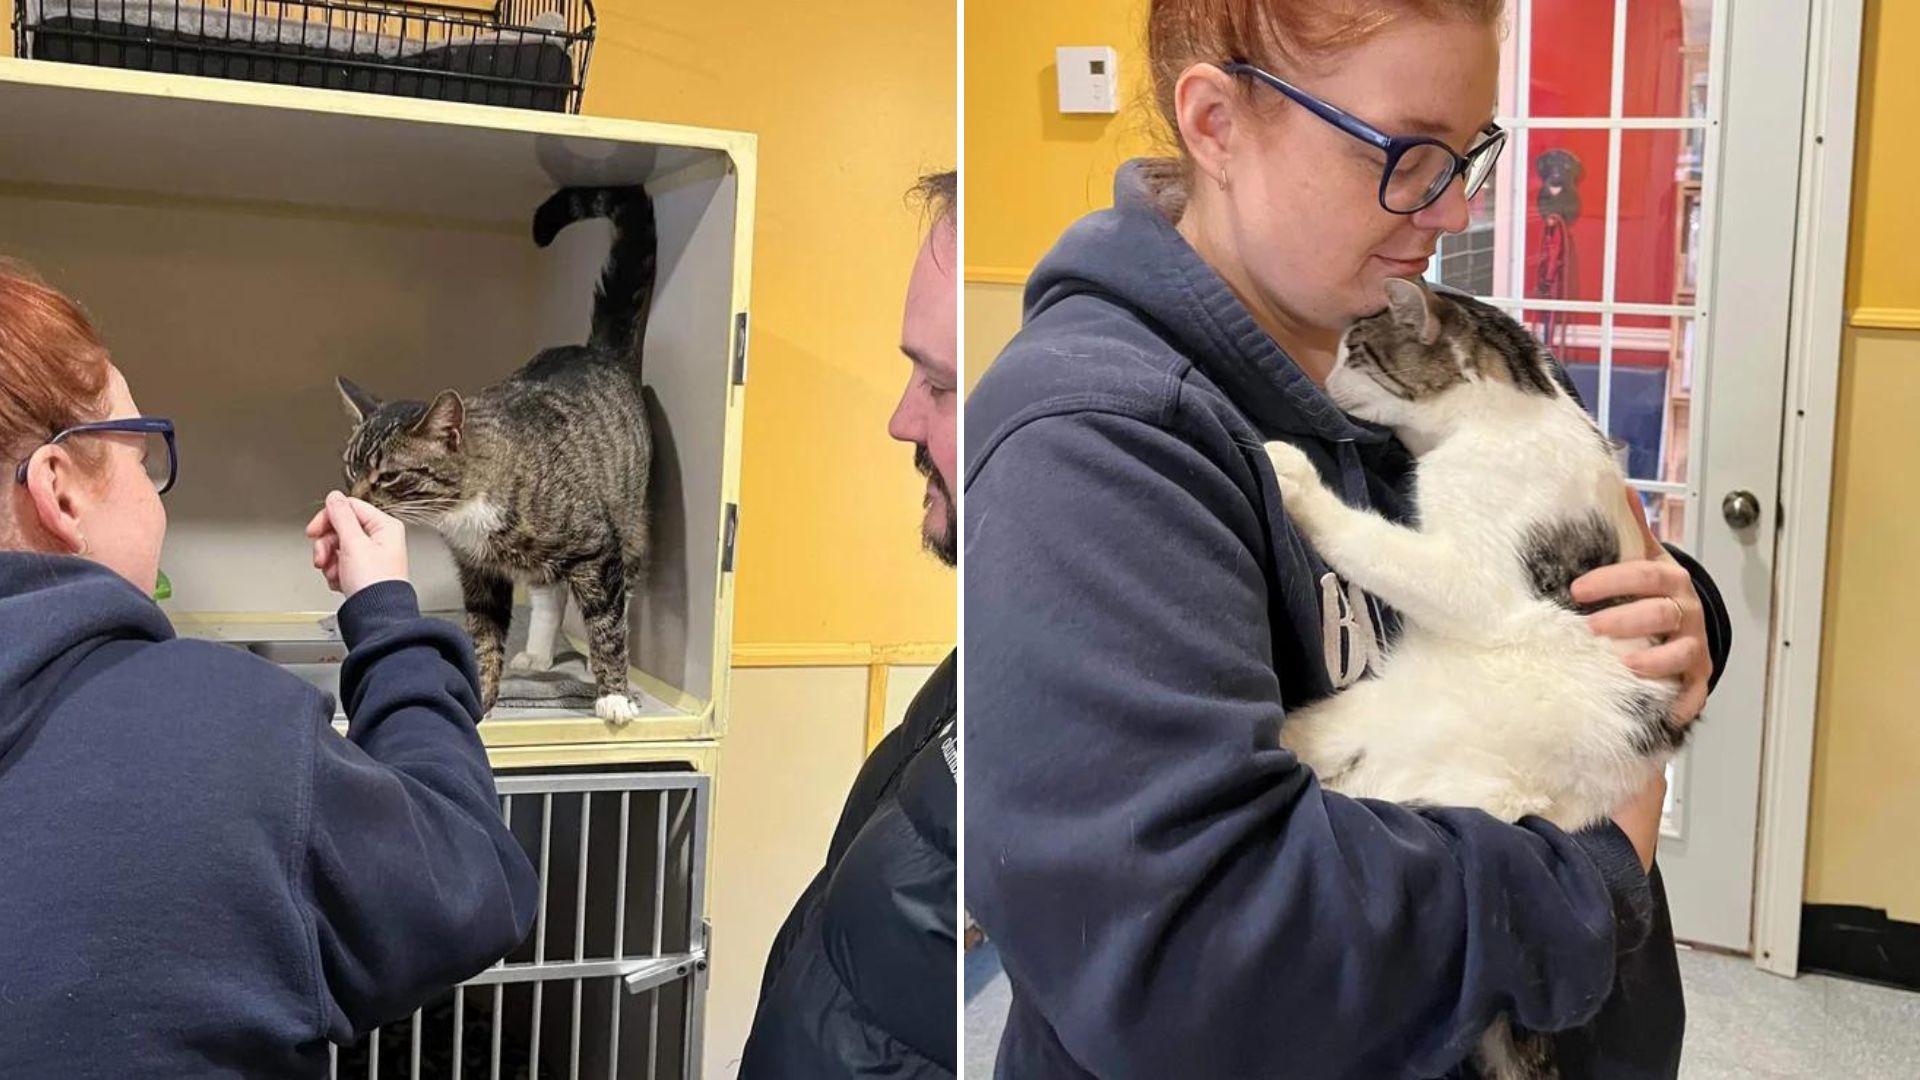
point(518, 54)
point(459, 1028)
point(619, 933)
point(413, 1065)
point(530, 1032)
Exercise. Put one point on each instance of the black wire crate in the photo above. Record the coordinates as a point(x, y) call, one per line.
point(527, 54)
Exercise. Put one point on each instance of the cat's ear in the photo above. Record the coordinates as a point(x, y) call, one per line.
point(442, 420)
point(1412, 307)
point(359, 403)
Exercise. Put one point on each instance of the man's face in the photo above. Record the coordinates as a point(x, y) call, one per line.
point(925, 416)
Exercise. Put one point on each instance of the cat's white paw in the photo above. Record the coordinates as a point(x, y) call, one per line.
point(616, 709)
point(530, 661)
point(1297, 477)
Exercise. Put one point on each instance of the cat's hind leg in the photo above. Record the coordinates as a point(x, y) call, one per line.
point(549, 604)
point(600, 588)
point(488, 597)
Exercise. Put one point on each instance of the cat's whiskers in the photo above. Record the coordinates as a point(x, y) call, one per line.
point(424, 511)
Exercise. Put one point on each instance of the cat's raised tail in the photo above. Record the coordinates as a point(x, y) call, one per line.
point(625, 292)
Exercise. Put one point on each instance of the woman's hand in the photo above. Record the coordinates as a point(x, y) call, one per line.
point(356, 545)
point(1664, 607)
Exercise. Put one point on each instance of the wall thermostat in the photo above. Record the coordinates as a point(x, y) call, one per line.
point(1088, 75)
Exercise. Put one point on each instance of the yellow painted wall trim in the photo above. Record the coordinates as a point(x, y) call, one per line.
point(1885, 318)
point(912, 654)
point(876, 705)
point(841, 654)
point(997, 275)
point(851, 654)
point(879, 660)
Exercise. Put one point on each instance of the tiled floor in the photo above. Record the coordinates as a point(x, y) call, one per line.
point(1742, 1024)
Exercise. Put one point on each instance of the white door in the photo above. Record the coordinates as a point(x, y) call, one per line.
point(1643, 226)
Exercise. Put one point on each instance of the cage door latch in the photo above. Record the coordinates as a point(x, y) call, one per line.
point(740, 349)
point(732, 534)
point(661, 970)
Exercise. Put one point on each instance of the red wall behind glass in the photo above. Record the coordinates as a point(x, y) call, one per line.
point(1572, 55)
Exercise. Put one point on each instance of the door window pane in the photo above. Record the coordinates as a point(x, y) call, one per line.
point(1571, 58)
point(1667, 55)
point(1566, 184)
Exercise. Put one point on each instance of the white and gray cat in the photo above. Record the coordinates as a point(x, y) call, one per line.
point(541, 478)
point(1496, 695)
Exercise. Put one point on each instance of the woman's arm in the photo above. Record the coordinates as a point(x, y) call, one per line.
point(1670, 598)
point(1173, 893)
point(1713, 631)
point(415, 881)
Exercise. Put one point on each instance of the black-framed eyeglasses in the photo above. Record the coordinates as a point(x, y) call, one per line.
point(161, 457)
point(1418, 168)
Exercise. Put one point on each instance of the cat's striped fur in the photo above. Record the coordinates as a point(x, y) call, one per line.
point(542, 477)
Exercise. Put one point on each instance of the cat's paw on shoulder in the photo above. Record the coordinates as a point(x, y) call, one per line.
point(1293, 470)
point(617, 709)
point(530, 661)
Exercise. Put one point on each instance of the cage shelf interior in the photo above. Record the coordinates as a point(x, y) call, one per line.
point(241, 245)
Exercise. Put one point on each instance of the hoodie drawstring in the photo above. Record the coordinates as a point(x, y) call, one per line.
point(1353, 484)
point(1353, 475)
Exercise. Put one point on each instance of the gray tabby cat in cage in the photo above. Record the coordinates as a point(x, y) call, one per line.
point(540, 478)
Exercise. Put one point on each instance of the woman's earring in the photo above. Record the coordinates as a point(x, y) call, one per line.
point(82, 553)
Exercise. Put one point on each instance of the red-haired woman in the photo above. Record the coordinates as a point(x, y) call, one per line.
point(198, 876)
point(1171, 893)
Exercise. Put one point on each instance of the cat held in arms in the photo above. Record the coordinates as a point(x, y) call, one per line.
point(1496, 694)
point(541, 478)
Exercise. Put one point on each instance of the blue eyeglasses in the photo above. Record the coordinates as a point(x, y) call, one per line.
point(1418, 169)
point(161, 457)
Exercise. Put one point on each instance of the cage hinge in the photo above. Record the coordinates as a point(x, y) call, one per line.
point(733, 531)
point(662, 970)
point(740, 349)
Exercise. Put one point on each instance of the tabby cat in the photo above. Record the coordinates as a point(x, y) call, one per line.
point(541, 478)
point(1496, 695)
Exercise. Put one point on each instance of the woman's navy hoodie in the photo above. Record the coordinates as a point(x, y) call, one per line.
point(198, 875)
point(1170, 892)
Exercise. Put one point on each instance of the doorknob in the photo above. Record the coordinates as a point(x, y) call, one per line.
point(1741, 509)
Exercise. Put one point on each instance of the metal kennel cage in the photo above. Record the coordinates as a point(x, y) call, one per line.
point(613, 980)
point(528, 54)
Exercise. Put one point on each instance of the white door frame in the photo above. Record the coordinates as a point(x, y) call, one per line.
point(1818, 321)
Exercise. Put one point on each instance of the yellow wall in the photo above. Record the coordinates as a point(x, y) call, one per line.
point(1883, 277)
point(852, 101)
point(992, 316)
point(1038, 169)
point(1866, 790)
point(795, 735)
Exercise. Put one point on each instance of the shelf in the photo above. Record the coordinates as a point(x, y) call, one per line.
point(225, 140)
point(307, 645)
